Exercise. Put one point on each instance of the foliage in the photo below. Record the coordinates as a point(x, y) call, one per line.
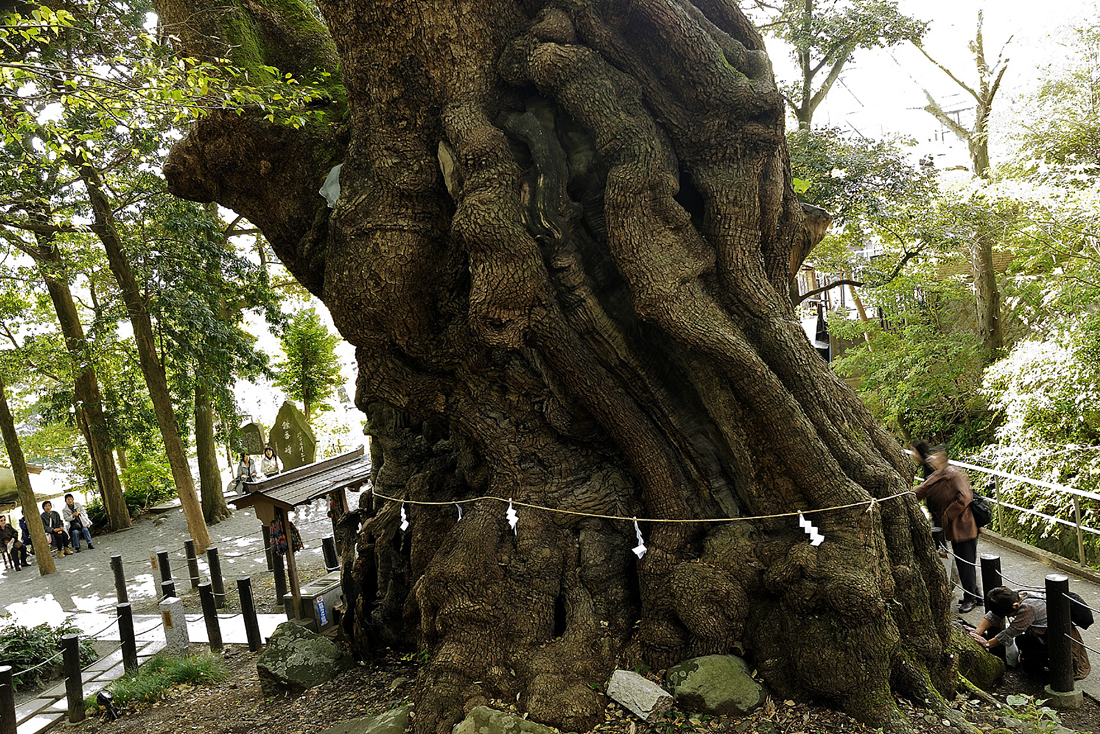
point(25, 647)
point(152, 681)
point(919, 376)
point(855, 177)
point(310, 370)
point(824, 36)
point(1042, 719)
point(1057, 130)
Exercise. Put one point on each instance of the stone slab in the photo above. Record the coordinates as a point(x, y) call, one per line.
point(39, 724)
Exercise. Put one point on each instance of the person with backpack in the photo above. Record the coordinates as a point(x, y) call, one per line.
point(948, 495)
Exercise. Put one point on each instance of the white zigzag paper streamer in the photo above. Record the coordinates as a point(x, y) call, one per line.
point(640, 549)
point(459, 510)
point(816, 538)
point(404, 518)
point(513, 518)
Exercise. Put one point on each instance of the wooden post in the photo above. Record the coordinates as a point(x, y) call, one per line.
point(1059, 643)
point(991, 572)
point(192, 562)
point(210, 615)
point(280, 578)
point(120, 580)
point(328, 546)
point(126, 634)
point(1080, 534)
point(162, 565)
point(1000, 510)
point(248, 612)
point(266, 531)
point(74, 686)
point(167, 589)
point(291, 564)
point(213, 560)
point(7, 701)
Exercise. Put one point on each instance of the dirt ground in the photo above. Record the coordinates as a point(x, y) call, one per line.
point(239, 707)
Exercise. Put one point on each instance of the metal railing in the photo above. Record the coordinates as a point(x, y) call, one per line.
point(1077, 494)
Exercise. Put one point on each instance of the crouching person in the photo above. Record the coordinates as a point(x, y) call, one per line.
point(1021, 618)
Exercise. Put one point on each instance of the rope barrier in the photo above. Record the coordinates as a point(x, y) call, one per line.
point(1081, 603)
point(868, 503)
point(41, 664)
point(1068, 637)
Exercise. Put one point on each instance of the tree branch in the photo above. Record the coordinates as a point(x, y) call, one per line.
point(822, 289)
point(947, 71)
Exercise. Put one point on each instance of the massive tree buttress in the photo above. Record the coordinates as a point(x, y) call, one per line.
point(562, 250)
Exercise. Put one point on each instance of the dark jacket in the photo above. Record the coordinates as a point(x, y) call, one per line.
point(949, 496)
point(7, 533)
point(26, 539)
point(51, 520)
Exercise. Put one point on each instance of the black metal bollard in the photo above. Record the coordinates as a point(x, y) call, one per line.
point(210, 615)
point(216, 580)
point(162, 565)
point(991, 572)
point(248, 612)
point(1059, 643)
point(7, 701)
point(167, 589)
point(126, 635)
point(328, 547)
point(267, 546)
point(120, 580)
point(74, 686)
point(192, 563)
point(280, 578)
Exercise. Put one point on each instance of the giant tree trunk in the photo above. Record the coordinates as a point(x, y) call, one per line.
point(151, 368)
point(27, 502)
point(89, 407)
point(214, 509)
point(562, 251)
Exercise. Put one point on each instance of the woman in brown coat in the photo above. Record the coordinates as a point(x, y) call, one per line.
point(948, 494)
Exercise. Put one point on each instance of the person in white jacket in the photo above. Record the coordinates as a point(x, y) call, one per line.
point(269, 463)
point(79, 524)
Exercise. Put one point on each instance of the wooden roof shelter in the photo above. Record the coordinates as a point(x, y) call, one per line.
point(274, 496)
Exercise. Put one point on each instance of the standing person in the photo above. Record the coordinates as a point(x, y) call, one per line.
point(26, 539)
point(9, 536)
point(948, 494)
point(269, 464)
point(55, 530)
point(73, 513)
point(246, 472)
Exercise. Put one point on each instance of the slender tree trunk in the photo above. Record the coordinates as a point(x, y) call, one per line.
point(214, 509)
point(23, 483)
point(987, 297)
point(151, 367)
point(86, 385)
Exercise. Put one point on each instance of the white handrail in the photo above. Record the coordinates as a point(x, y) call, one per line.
point(1027, 480)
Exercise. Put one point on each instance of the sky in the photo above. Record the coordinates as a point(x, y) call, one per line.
point(881, 92)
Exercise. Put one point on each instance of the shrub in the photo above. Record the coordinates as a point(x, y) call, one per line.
point(148, 482)
point(152, 681)
point(23, 648)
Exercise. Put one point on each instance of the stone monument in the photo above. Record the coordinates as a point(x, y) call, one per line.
point(176, 640)
point(292, 438)
point(252, 439)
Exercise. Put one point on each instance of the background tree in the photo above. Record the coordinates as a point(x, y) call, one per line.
point(562, 251)
point(986, 291)
point(824, 35)
point(310, 369)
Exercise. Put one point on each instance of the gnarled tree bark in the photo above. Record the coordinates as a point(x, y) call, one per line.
point(562, 250)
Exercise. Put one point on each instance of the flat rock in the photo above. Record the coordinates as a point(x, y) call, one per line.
point(639, 695)
point(393, 721)
point(720, 685)
point(484, 720)
point(296, 659)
